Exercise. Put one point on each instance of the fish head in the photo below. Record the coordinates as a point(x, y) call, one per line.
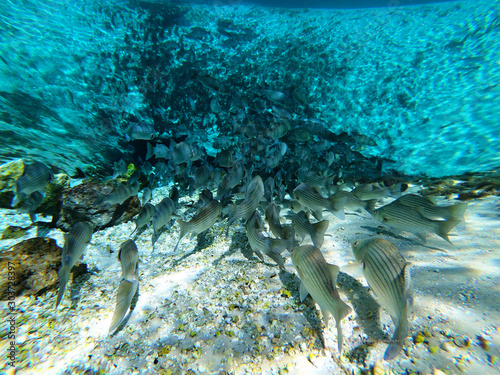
point(359, 249)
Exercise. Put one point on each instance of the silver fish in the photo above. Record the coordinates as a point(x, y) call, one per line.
point(142, 131)
point(205, 219)
point(36, 177)
point(159, 151)
point(125, 294)
point(76, 241)
point(254, 194)
point(162, 216)
point(429, 209)
point(147, 194)
point(145, 216)
point(118, 195)
point(403, 218)
point(353, 203)
point(183, 152)
point(272, 247)
point(129, 258)
point(303, 227)
point(318, 279)
point(387, 273)
point(30, 204)
point(315, 202)
point(374, 191)
point(231, 179)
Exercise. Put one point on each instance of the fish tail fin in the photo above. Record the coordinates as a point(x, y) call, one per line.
point(457, 211)
point(150, 151)
point(124, 295)
point(340, 337)
point(63, 280)
point(319, 230)
point(445, 227)
point(184, 227)
point(337, 206)
point(399, 337)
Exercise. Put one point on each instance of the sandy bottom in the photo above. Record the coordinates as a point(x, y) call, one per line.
point(214, 307)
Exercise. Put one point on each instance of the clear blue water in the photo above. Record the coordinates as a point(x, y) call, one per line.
point(422, 81)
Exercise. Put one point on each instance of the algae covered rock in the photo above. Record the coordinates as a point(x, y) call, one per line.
point(81, 203)
point(32, 267)
point(9, 173)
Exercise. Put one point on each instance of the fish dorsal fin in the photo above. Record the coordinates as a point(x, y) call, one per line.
point(334, 272)
point(432, 199)
point(303, 291)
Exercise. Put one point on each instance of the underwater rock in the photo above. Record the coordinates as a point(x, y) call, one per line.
point(9, 173)
point(33, 264)
point(80, 203)
point(53, 194)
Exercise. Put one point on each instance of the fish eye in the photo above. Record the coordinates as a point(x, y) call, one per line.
point(355, 243)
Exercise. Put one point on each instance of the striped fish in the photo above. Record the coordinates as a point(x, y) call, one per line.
point(125, 294)
point(272, 247)
point(254, 194)
point(183, 152)
point(318, 279)
point(303, 227)
point(375, 191)
point(387, 273)
point(162, 216)
point(403, 218)
point(129, 258)
point(76, 241)
point(145, 216)
point(316, 203)
point(430, 210)
point(231, 179)
point(147, 194)
point(273, 220)
point(353, 203)
point(36, 177)
point(205, 219)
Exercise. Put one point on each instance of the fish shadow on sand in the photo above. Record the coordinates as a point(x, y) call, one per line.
point(203, 241)
point(292, 284)
point(385, 232)
point(366, 308)
point(126, 318)
point(80, 276)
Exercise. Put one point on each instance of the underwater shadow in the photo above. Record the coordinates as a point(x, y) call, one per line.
point(364, 305)
point(203, 241)
point(292, 283)
point(385, 232)
point(81, 275)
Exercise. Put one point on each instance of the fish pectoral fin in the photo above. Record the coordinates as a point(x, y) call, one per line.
point(303, 292)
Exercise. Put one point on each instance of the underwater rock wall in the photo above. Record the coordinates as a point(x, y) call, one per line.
point(422, 82)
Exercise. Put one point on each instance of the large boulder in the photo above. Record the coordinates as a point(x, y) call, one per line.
point(30, 267)
point(80, 203)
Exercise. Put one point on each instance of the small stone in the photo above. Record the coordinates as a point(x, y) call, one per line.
point(483, 343)
point(433, 349)
point(438, 372)
point(492, 359)
point(448, 346)
point(419, 338)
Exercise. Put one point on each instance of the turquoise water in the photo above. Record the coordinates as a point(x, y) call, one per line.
point(421, 81)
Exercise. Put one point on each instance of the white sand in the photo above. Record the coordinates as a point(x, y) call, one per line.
point(220, 308)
